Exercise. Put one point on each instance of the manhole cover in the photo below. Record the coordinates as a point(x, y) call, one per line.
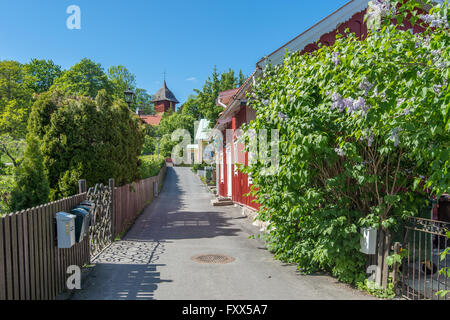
point(212, 258)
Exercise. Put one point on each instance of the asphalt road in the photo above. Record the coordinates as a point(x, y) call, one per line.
point(153, 261)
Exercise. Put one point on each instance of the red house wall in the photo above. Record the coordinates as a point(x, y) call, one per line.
point(239, 183)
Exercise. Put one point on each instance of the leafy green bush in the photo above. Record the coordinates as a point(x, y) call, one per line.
point(6, 186)
point(445, 271)
point(82, 138)
point(198, 166)
point(31, 187)
point(363, 128)
point(150, 166)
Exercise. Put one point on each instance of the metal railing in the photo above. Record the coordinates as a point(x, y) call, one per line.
point(420, 277)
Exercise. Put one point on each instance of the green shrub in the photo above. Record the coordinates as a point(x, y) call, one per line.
point(85, 138)
point(198, 166)
point(150, 166)
point(31, 187)
point(363, 129)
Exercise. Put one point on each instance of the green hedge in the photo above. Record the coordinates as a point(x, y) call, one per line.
point(150, 166)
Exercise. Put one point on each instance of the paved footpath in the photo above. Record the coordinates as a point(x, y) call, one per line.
point(153, 261)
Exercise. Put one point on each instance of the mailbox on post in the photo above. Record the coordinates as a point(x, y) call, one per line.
point(65, 223)
point(82, 221)
point(369, 240)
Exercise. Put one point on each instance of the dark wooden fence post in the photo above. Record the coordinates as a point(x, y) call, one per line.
point(387, 247)
point(82, 186)
point(113, 213)
point(380, 252)
point(397, 249)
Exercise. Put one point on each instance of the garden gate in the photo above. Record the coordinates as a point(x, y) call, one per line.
point(101, 232)
point(420, 277)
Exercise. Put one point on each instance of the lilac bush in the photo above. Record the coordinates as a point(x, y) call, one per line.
point(367, 139)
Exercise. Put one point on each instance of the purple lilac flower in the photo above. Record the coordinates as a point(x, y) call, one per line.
point(282, 116)
point(366, 86)
point(359, 104)
point(405, 112)
point(335, 58)
point(337, 102)
point(437, 88)
point(394, 136)
point(436, 53)
point(379, 9)
point(367, 135)
point(442, 65)
point(435, 20)
point(348, 103)
point(400, 101)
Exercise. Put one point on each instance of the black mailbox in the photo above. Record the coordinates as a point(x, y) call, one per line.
point(81, 222)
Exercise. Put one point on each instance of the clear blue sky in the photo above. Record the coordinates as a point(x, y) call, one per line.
point(186, 38)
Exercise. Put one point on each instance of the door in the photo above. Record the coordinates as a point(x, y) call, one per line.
point(229, 173)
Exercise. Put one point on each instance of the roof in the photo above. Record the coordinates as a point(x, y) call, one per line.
point(164, 94)
point(226, 97)
point(239, 93)
point(153, 120)
point(311, 35)
point(202, 130)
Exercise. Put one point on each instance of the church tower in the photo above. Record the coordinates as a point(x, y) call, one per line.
point(164, 100)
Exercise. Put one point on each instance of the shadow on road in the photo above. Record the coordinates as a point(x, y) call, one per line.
point(127, 269)
point(121, 282)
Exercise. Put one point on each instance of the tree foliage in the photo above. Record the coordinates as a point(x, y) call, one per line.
point(121, 80)
point(204, 103)
point(15, 103)
point(85, 78)
point(40, 74)
point(150, 166)
point(364, 129)
point(31, 187)
point(85, 138)
point(170, 123)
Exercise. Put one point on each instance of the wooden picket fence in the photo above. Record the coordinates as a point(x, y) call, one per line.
point(32, 267)
point(131, 199)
